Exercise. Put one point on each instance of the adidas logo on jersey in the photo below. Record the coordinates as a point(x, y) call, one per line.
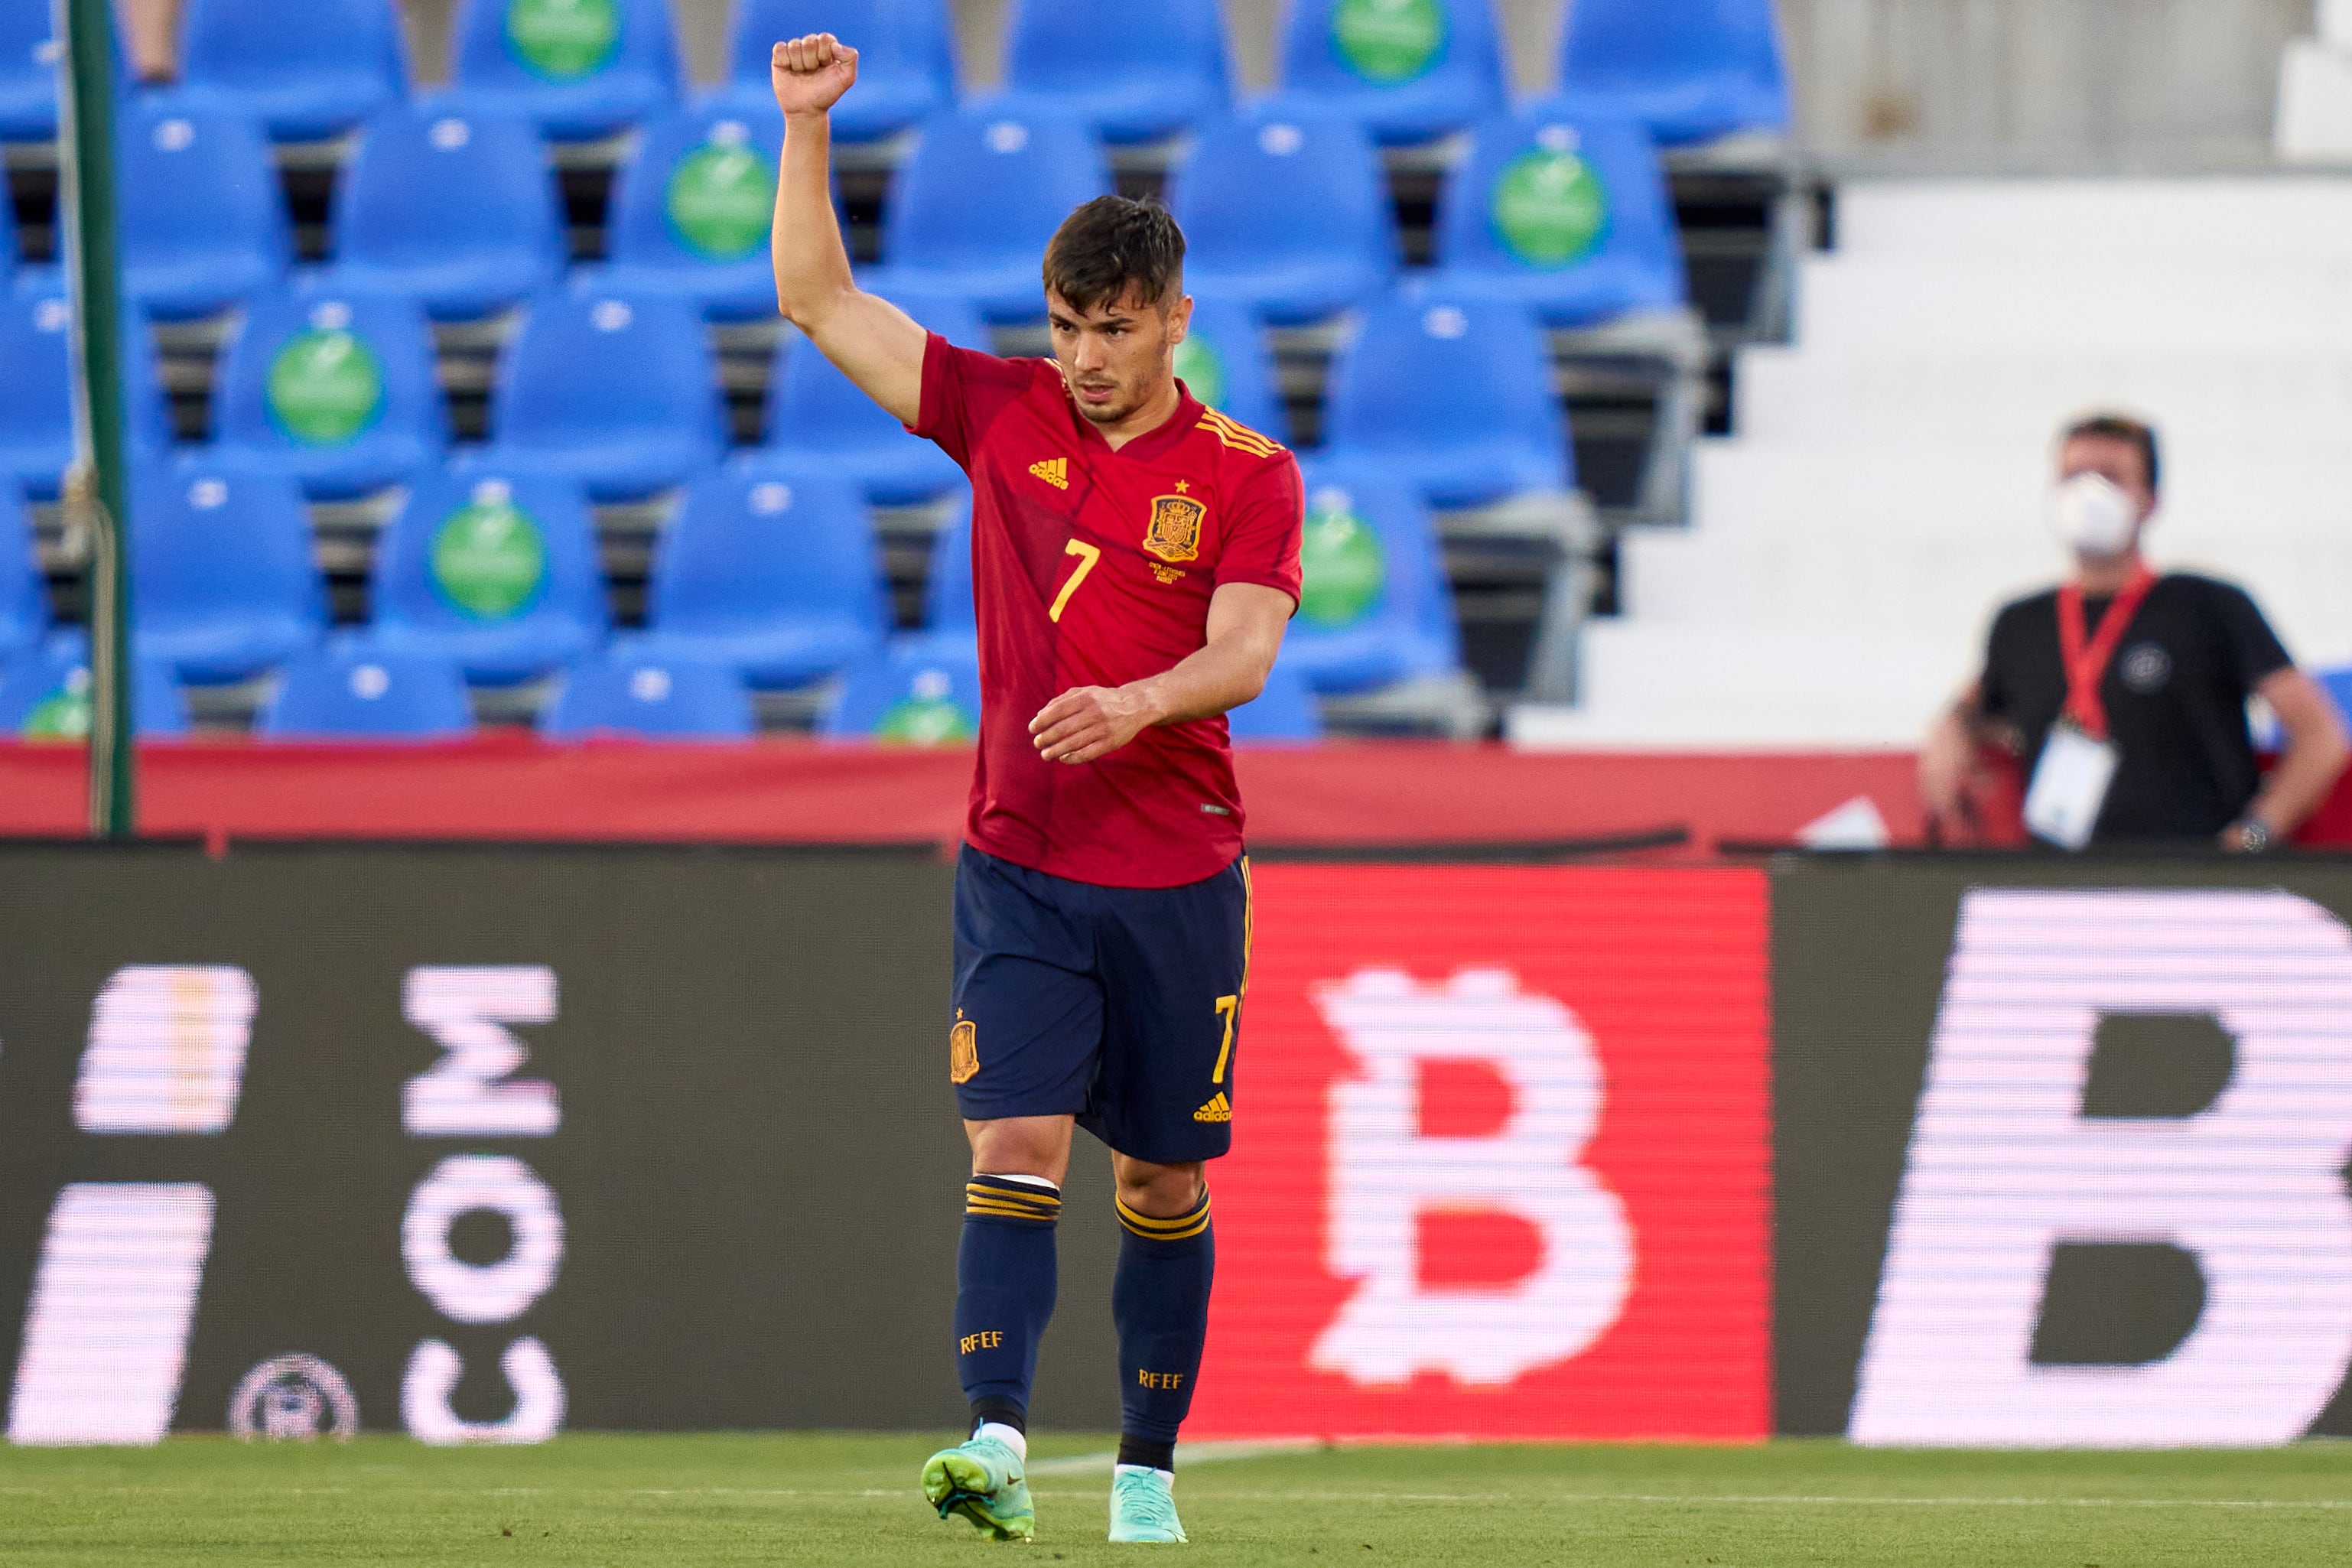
point(1219, 1108)
point(1054, 471)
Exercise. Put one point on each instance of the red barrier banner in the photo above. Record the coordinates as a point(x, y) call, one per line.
point(1502, 1162)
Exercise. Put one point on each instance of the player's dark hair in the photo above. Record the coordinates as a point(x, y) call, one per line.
point(1111, 245)
point(2119, 427)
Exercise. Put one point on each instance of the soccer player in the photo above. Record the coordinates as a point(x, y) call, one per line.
point(1135, 562)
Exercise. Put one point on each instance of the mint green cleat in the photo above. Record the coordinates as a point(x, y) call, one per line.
point(983, 1480)
point(1143, 1507)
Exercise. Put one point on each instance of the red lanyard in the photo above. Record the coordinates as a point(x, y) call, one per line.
point(2087, 666)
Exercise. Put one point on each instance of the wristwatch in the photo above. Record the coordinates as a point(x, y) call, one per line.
point(2254, 836)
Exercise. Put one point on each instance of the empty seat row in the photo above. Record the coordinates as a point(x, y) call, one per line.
point(1451, 393)
point(1407, 69)
point(576, 69)
point(770, 574)
point(1563, 207)
point(355, 688)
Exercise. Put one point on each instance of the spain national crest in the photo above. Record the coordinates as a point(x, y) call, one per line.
point(1175, 532)
point(963, 1052)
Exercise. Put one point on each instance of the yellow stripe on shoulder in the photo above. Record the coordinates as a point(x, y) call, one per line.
point(1239, 437)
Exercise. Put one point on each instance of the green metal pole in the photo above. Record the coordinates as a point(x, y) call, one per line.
point(95, 492)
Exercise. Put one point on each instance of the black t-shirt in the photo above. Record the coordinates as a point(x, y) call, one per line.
point(2176, 694)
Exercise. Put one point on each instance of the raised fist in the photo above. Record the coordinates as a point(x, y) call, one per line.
point(810, 74)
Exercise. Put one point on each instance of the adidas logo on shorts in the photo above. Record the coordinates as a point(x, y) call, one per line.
point(1219, 1108)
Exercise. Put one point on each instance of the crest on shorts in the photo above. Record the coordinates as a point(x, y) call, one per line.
point(1175, 532)
point(963, 1051)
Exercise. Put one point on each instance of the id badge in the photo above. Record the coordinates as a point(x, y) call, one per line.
point(2070, 785)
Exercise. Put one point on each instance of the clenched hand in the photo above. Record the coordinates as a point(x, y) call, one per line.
point(810, 73)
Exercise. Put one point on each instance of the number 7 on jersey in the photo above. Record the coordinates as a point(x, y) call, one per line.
point(1087, 555)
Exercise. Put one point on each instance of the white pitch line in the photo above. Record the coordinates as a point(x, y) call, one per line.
point(1791, 1499)
point(1187, 1454)
point(1229, 1451)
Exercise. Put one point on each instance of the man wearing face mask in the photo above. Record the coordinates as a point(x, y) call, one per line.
point(2123, 690)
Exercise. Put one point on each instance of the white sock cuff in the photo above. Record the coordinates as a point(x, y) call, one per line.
point(1012, 1437)
point(1025, 1181)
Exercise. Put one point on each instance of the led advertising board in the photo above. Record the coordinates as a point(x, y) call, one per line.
point(486, 1143)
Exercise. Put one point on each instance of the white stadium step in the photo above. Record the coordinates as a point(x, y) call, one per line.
point(2132, 222)
point(2203, 402)
point(1885, 496)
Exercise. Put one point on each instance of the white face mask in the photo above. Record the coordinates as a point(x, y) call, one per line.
point(2093, 515)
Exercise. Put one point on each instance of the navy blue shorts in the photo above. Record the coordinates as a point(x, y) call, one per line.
point(1120, 1006)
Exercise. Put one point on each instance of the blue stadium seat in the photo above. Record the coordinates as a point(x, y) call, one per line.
point(494, 570)
point(927, 33)
point(453, 207)
point(1160, 70)
point(44, 693)
point(951, 614)
point(29, 57)
point(906, 61)
point(1283, 711)
point(1376, 608)
point(336, 389)
point(616, 390)
point(306, 70)
point(576, 69)
point(354, 689)
point(24, 594)
point(1454, 395)
point(638, 695)
point(1693, 70)
point(770, 572)
point(818, 417)
point(36, 392)
point(975, 204)
point(223, 571)
point(147, 413)
point(915, 693)
point(1565, 210)
point(1225, 362)
point(1407, 69)
point(1290, 212)
point(2337, 684)
point(202, 223)
point(692, 207)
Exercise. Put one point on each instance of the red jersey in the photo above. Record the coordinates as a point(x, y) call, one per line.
point(1093, 567)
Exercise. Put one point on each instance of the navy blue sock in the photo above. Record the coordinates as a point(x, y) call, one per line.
point(1159, 1299)
point(1005, 1277)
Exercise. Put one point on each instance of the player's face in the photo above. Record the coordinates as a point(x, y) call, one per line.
point(1118, 356)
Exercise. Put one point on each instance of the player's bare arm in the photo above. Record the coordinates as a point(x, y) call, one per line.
point(1245, 626)
point(878, 346)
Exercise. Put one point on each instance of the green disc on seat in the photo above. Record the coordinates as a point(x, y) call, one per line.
point(563, 40)
point(1201, 369)
point(1344, 568)
point(1550, 207)
point(925, 721)
point(489, 559)
point(1388, 40)
point(326, 386)
point(720, 199)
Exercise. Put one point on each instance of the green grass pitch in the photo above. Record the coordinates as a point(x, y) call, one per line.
point(687, 1502)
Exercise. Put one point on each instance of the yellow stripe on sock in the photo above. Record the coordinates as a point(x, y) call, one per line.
point(1184, 1235)
point(1025, 1195)
point(999, 1211)
point(1155, 1229)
